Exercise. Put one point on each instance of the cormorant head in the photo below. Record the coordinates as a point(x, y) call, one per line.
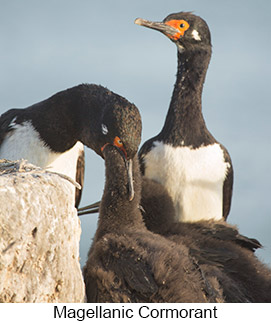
point(186, 30)
point(121, 127)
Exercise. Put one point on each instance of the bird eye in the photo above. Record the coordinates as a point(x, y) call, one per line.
point(118, 142)
point(182, 25)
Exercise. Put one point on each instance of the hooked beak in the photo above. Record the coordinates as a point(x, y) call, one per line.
point(129, 168)
point(168, 30)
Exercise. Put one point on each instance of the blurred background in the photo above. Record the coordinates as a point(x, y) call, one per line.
point(48, 46)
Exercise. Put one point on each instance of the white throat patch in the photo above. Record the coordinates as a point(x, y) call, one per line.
point(193, 177)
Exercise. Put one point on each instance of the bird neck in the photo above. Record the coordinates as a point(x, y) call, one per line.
point(117, 213)
point(185, 110)
point(57, 120)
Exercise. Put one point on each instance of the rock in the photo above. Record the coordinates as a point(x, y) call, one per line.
point(39, 236)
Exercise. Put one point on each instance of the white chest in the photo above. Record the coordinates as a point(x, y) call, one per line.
point(24, 142)
point(193, 177)
point(66, 163)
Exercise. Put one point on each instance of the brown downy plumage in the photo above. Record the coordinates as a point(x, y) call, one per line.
point(128, 263)
point(222, 253)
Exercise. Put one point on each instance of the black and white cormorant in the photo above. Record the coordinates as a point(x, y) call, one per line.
point(204, 261)
point(127, 262)
point(184, 157)
point(193, 166)
point(52, 133)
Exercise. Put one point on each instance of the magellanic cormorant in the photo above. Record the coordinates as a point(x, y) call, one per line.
point(128, 263)
point(51, 133)
point(222, 253)
point(184, 157)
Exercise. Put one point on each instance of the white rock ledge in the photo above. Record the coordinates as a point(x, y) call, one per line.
point(39, 236)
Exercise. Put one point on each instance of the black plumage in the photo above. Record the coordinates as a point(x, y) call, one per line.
point(77, 113)
point(79, 177)
point(222, 253)
point(184, 126)
point(128, 263)
point(86, 113)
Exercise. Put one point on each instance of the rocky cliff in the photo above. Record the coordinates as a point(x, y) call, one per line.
point(39, 236)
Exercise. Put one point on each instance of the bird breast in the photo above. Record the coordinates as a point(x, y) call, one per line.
point(193, 177)
point(23, 141)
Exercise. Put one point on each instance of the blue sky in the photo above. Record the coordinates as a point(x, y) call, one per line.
point(48, 46)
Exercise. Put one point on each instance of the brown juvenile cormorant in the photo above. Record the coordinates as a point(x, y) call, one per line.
point(128, 263)
point(221, 252)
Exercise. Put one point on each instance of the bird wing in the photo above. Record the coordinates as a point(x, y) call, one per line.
point(228, 184)
point(204, 231)
point(116, 272)
point(225, 232)
point(80, 172)
point(146, 147)
point(213, 256)
point(134, 274)
point(5, 121)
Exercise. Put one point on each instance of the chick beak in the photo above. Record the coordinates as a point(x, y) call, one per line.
point(129, 167)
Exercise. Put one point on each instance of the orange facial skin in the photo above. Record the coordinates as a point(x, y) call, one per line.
point(118, 143)
point(180, 25)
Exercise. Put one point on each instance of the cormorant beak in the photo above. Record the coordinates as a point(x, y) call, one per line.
point(166, 29)
point(129, 168)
